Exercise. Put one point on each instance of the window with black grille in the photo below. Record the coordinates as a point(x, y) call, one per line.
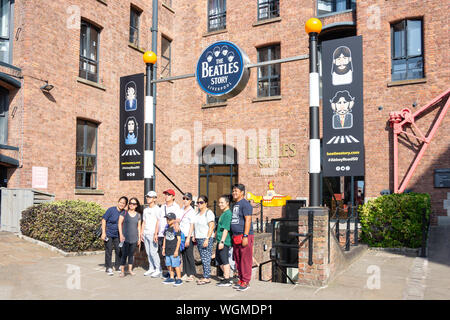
point(166, 48)
point(268, 9)
point(407, 50)
point(135, 15)
point(217, 15)
point(89, 42)
point(86, 155)
point(269, 76)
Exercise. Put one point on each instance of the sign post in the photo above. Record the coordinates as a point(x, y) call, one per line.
point(313, 27)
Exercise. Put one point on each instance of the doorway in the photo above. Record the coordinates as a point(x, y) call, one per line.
point(218, 172)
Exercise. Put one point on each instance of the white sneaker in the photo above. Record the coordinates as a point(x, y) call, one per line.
point(149, 272)
point(110, 272)
point(156, 274)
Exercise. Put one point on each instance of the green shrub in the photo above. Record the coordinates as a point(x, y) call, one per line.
point(394, 220)
point(68, 225)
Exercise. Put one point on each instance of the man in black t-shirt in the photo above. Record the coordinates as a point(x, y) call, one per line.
point(171, 250)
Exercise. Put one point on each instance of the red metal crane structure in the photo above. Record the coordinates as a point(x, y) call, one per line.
point(400, 121)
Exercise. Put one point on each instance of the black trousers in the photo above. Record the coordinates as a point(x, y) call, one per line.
point(128, 252)
point(188, 260)
point(161, 257)
point(109, 245)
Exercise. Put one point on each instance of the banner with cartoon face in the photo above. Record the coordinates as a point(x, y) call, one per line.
point(343, 111)
point(131, 129)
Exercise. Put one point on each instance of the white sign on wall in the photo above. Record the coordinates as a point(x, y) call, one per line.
point(39, 177)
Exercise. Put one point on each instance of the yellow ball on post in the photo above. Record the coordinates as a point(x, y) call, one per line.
point(149, 57)
point(313, 25)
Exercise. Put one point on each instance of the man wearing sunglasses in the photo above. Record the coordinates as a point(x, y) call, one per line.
point(242, 230)
point(170, 206)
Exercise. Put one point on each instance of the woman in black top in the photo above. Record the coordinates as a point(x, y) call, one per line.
point(130, 234)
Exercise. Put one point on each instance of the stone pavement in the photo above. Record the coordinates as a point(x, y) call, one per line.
point(28, 271)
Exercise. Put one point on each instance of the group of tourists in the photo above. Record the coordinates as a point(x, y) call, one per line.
point(170, 232)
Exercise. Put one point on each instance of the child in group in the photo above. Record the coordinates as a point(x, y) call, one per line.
point(171, 250)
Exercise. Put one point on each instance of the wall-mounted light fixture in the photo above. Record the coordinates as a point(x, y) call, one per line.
point(47, 87)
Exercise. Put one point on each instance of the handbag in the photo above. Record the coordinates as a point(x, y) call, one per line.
point(238, 239)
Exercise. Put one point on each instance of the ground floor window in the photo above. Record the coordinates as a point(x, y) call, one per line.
point(86, 155)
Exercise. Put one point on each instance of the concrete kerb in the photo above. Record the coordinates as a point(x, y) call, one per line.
point(404, 251)
point(54, 249)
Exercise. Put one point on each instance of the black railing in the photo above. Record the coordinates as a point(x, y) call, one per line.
point(352, 214)
point(260, 218)
point(274, 262)
point(273, 252)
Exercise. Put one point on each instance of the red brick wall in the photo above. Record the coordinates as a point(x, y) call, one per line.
point(377, 76)
point(44, 126)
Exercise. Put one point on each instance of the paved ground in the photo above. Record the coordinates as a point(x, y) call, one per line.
point(28, 271)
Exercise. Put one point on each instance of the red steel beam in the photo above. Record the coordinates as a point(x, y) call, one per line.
point(400, 119)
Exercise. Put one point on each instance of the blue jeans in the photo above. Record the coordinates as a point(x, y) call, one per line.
point(205, 255)
point(171, 261)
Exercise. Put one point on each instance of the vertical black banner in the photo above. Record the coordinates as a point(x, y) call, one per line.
point(343, 109)
point(131, 131)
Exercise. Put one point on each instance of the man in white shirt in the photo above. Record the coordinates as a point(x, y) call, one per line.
point(169, 206)
point(149, 234)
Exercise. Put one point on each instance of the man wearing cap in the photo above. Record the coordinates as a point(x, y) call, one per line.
point(149, 234)
point(169, 206)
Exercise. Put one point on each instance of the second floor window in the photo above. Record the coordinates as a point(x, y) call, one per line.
point(407, 51)
point(86, 156)
point(217, 15)
point(165, 57)
point(333, 6)
point(89, 51)
point(268, 9)
point(134, 26)
point(5, 6)
point(269, 76)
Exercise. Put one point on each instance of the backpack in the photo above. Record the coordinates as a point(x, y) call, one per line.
point(183, 238)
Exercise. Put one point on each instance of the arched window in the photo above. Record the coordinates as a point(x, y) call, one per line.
point(217, 172)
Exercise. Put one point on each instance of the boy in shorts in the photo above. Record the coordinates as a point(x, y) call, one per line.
point(170, 249)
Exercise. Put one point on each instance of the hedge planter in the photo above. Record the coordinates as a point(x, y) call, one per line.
point(67, 225)
point(395, 220)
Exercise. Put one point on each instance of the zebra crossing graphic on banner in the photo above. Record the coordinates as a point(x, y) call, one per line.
point(343, 139)
point(132, 152)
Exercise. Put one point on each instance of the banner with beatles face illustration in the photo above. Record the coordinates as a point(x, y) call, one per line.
point(343, 108)
point(131, 129)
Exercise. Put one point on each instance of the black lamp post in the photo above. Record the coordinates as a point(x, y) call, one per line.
point(313, 27)
point(149, 166)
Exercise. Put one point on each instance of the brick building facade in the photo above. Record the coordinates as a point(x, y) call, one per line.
point(42, 126)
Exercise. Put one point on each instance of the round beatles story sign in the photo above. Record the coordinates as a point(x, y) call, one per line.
point(221, 70)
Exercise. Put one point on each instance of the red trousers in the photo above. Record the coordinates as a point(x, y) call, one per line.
point(243, 258)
